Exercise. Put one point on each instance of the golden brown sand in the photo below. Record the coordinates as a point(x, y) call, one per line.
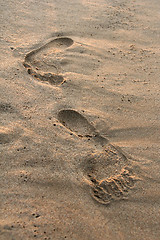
point(79, 120)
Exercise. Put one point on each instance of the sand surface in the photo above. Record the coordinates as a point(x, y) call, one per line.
point(80, 120)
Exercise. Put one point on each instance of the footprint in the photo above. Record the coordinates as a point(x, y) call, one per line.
point(78, 124)
point(75, 122)
point(51, 61)
point(43, 63)
point(109, 172)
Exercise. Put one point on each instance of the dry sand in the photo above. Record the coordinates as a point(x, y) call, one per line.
point(79, 119)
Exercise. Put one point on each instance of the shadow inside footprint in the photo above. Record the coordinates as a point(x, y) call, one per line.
point(42, 64)
point(75, 122)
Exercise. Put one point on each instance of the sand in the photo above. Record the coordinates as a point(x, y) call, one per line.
point(79, 120)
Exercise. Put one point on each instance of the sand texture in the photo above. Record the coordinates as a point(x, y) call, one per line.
point(80, 120)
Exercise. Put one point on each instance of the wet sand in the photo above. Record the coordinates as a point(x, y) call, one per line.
point(79, 120)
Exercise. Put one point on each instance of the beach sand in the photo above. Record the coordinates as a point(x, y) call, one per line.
point(79, 120)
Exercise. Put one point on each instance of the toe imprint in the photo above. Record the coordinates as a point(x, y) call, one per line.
point(114, 188)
